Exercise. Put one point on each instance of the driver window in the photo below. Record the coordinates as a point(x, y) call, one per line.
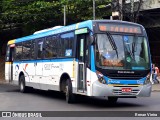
point(103, 43)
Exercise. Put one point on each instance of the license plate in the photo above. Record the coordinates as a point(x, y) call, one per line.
point(126, 90)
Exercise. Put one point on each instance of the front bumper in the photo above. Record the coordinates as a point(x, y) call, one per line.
point(105, 90)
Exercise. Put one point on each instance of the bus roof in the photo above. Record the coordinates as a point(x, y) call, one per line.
point(48, 29)
point(62, 29)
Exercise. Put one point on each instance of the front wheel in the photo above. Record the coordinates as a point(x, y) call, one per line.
point(112, 100)
point(69, 95)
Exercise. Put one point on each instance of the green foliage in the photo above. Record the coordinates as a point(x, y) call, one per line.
point(33, 15)
point(83, 9)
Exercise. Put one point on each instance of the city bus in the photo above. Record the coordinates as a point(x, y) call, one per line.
point(96, 58)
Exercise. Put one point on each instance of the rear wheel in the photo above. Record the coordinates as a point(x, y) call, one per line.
point(22, 85)
point(69, 95)
point(112, 100)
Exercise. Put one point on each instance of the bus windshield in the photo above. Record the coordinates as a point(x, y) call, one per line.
point(122, 52)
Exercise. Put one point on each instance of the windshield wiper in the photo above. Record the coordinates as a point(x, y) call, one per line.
point(134, 44)
point(111, 40)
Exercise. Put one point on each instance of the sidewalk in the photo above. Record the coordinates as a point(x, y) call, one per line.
point(156, 87)
point(2, 81)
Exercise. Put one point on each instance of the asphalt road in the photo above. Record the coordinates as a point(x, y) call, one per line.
point(12, 100)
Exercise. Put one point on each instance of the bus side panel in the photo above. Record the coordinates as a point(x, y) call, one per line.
point(7, 71)
point(94, 78)
point(50, 76)
point(29, 72)
point(88, 77)
point(67, 67)
point(52, 72)
point(16, 72)
point(38, 78)
point(74, 76)
point(26, 69)
point(47, 78)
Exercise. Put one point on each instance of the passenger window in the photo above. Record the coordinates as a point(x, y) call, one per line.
point(18, 51)
point(40, 49)
point(48, 48)
point(33, 45)
point(67, 42)
point(26, 50)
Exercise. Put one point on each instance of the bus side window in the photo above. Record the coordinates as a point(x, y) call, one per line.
point(10, 53)
point(7, 53)
point(18, 51)
point(67, 41)
point(55, 45)
point(48, 47)
point(32, 50)
point(40, 48)
point(26, 50)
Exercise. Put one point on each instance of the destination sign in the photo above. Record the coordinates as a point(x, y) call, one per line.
point(124, 28)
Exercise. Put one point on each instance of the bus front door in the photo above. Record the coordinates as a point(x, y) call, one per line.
point(81, 39)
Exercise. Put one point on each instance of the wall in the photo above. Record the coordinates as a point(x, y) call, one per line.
point(150, 4)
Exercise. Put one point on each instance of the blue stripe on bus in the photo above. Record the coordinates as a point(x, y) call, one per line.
point(49, 60)
point(86, 24)
point(125, 81)
point(92, 59)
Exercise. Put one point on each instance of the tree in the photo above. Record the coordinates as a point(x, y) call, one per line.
point(19, 18)
point(28, 16)
point(79, 10)
point(131, 10)
point(39, 14)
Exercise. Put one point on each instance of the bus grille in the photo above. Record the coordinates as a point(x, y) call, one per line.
point(119, 92)
point(128, 78)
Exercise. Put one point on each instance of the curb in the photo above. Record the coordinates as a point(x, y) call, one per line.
point(3, 82)
point(155, 90)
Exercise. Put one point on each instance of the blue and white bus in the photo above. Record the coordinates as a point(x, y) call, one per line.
point(93, 58)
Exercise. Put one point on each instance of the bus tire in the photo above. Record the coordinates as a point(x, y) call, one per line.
point(22, 85)
point(112, 100)
point(68, 92)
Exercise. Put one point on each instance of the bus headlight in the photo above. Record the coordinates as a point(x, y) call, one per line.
point(100, 77)
point(148, 79)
